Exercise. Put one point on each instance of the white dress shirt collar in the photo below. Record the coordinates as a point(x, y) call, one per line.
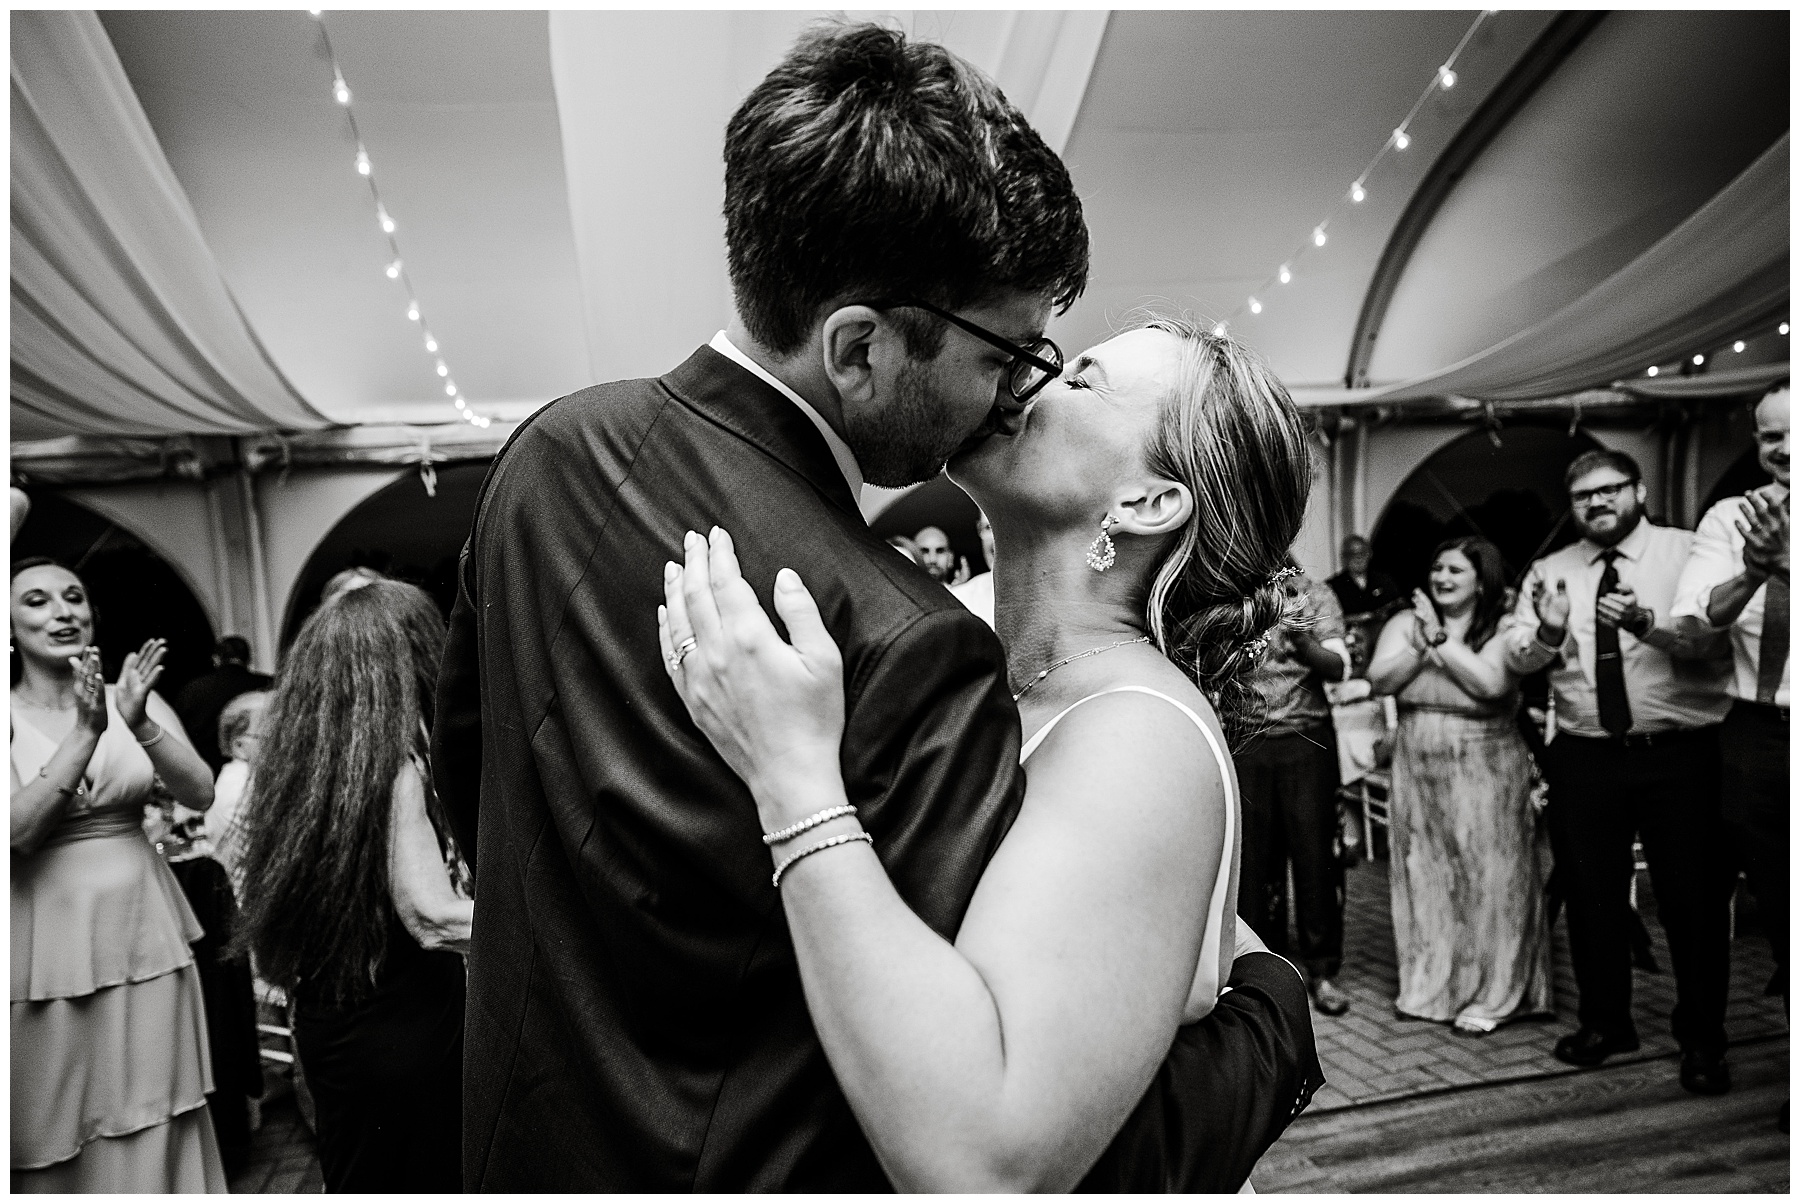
point(840, 451)
point(1630, 548)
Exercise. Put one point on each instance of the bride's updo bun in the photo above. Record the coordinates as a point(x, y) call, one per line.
point(1229, 432)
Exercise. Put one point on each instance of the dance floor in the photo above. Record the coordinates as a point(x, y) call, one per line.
point(1410, 1107)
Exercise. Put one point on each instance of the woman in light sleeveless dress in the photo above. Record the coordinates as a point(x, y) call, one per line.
point(110, 1065)
point(1464, 867)
point(1142, 514)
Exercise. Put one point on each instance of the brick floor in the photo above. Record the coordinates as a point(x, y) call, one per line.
point(1369, 1054)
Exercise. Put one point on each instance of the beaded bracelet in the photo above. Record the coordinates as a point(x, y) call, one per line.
point(809, 850)
point(811, 821)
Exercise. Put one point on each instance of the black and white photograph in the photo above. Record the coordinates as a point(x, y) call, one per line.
point(1189, 600)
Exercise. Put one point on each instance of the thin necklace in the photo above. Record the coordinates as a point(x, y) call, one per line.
point(1055, 665)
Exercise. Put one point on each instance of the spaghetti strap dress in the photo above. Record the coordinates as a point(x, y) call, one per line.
point(1465, 867)
point(110, 1065)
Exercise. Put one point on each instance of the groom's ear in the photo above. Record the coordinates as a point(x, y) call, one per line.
point(1156, 507)
point(855, 341)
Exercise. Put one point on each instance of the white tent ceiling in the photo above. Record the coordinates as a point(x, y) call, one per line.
point(518, 153)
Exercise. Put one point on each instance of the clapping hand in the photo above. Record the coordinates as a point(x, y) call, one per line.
point(1427, 615)
point(1620, 609)
point(1765, 531)
point(1552, 606)
point(90, 691)
point(137, 677)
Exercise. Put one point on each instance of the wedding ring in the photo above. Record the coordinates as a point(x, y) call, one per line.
point(687, 646)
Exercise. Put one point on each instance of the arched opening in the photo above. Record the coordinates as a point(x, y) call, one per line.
point(401, 531)
point(136, 593)
point(1507, 488)
point(1744, 475)
point(940, 503)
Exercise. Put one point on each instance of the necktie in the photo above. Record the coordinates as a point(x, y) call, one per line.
point(1609, 667)
point(1771, 662)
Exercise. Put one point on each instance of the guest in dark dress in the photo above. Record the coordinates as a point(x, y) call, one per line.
point(202, 700)
point(356, 899)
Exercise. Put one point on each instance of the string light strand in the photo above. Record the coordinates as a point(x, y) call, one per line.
point(396, 263)
point(1442, 80)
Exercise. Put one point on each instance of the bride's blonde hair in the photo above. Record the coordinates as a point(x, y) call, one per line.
point(1228, 431)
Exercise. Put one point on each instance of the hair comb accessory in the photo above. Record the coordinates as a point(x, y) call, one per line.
point(1256, 647)
point(1283, 573)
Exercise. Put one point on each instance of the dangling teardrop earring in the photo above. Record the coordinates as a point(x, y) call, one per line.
point(1101, 553)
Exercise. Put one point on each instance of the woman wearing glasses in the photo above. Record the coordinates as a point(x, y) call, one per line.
point(1142, 504)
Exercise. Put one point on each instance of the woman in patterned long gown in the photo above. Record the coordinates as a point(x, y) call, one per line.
point(1468, 894)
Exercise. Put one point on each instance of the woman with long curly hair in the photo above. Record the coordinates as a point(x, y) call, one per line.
point(110, 1063)
point(1468, 897)
point(355, 899)
point(1142, 517)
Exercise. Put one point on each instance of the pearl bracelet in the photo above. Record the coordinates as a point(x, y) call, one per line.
point(809, 850)
point(811, 821)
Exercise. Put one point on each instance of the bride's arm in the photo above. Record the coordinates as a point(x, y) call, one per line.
point(1008, 1060)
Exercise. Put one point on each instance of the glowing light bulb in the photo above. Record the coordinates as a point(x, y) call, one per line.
point(393, 270)
point(1356, 192)
point(484, 422)
point(362, 162)
point(443, 369)
point(1698, 360)
point(1446, 77)
point(341, 90)
point(1738, 346)
point(1285, 275)
point(430, 343)
point(450, 389)
point(459, 403)
point(1782, 328)
point(1219, 330)
point(313, 13)
point(412, 312)
point(1255, 306)
point(1402, 139)
point(381, 215)
point(1318, 236)
point(1652, 369)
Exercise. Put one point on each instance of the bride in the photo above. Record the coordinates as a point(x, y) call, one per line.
point(1143, 514)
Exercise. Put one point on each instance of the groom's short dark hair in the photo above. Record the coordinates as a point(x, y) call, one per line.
point(869, 168)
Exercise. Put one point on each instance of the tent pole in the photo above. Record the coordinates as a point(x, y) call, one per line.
point(266, 636)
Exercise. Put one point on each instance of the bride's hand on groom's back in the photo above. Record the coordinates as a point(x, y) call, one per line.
point(774, 710)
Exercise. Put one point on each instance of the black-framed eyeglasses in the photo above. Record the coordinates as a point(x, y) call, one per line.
point(1033, 366)
point(1602, 493)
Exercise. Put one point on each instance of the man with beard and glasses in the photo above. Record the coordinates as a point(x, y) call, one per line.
point(1635, 752)
point(897, 238)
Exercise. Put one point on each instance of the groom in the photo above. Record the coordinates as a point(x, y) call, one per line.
point(635, 1017)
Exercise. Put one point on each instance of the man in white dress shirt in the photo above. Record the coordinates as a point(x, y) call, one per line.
point(1635, 752)
point(1737, 579)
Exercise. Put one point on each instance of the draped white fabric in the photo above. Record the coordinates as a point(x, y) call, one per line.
point(121, 321)
point(1718, 274)
point(1732, 382)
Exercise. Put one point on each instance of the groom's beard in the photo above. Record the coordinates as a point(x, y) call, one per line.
point(910, 436)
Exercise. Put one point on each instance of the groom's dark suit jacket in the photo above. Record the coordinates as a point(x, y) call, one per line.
point(635, 1018)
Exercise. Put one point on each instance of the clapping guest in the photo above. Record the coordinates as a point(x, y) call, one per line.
point(110, 1066)
point(1736, 578)
point(352, 903)
point(1468, 901)
point(1636, 750)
